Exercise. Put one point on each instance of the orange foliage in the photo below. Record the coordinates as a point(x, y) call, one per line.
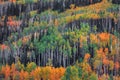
point(56, 22)
point(21, 75)
point(104, 38)
point(36, 73)
point(10, 18)
point(3, 47)
point(25, 39)
point(45, 73)
point(7, 72)
point(13, 70)
point(14, 23)
point(117, 65)
point(12, 1)
point(56, 73)
point(48, 73)
point(61, 71)
point(106, 50)
point(82, 40)
point(3, 69)
point(101, 53)
point(52, 74)
point(105, 61)
point(87, 56)
point(26, 75)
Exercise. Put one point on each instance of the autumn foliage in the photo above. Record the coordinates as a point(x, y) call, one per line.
point(55, 38)
point(3, 47)
point(44, 73)
point(13, 1)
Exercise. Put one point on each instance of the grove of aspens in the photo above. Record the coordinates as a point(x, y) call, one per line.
point(59, 39)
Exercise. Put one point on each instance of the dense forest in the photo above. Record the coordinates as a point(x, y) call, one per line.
point(59, 39)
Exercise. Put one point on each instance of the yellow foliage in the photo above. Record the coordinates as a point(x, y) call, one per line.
point(72, 6)
point(56, 22)
point(93, 38)
point(82, 40)
point(36, 24)
point(69, 19)
point(111, 65)
point(90, 11)
point(97, 63)
point(86, 67)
